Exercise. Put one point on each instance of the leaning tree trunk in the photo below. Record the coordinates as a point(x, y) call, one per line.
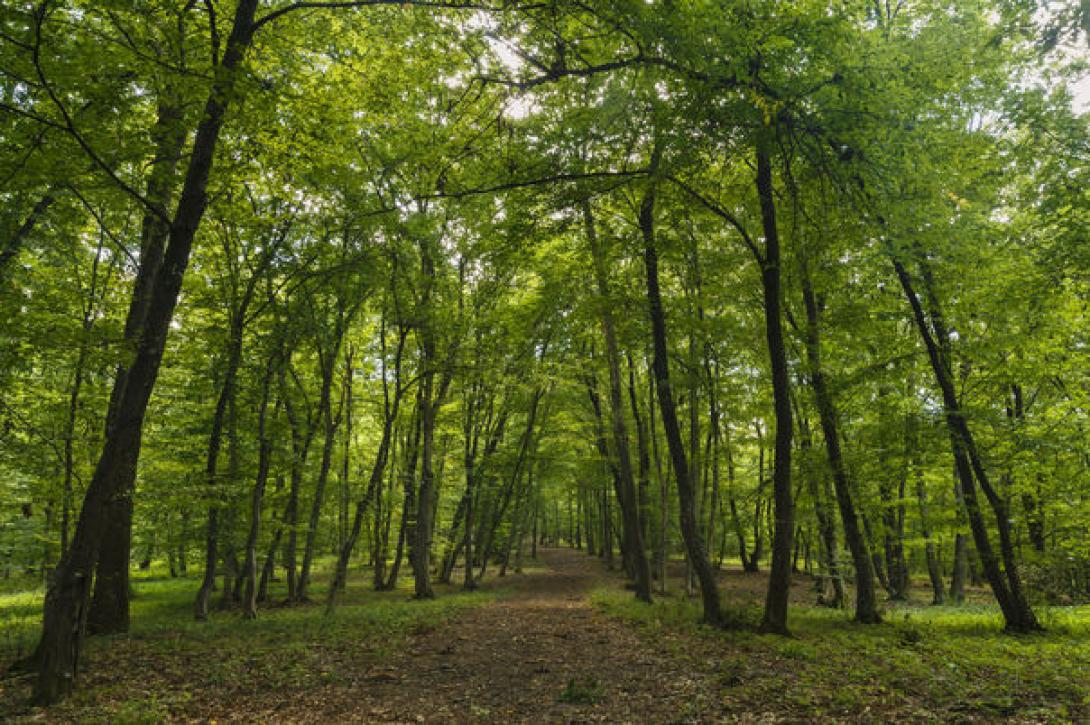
point(1017, 613)
point(65, 604)
point(694, 544)
point(866, 601)
point(14, 243)
point(109, 611)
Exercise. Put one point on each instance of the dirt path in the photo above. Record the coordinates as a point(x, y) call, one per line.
point(543, 654)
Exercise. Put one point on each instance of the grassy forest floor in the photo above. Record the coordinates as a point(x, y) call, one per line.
point(561, 642)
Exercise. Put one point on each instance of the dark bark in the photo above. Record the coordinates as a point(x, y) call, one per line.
point(431, 400)
point(779, 583)
point(643, 457)
point(65, 605)
point(694, 544)
point(14, 243)
point(630, 511)
point(109, 610)
point(391, 406)
point(664, 488)
point(866, 601)
point(1017, 613)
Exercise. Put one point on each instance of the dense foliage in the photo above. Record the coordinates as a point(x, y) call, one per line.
point(799, 285)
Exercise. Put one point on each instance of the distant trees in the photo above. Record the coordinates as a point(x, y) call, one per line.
point(514, 274)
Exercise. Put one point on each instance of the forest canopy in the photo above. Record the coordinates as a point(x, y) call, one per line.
point(293, 293)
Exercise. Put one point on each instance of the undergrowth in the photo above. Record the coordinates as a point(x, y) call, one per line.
point(923, 662)
point(181, 661)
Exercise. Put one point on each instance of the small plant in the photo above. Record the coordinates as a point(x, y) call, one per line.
point(587, 692)
point(909, 633)
point(796, 650)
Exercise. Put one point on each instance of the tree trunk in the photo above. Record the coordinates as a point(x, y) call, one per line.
point(934, 569)
point(779, 583)
point(1017, 613)
point(406, 529)
point(215, 439)
point(264, 456)
point(12, 245)
point(866, 602)
point(378, 469)
point(109, 611)
point(65, 604)
point(630, 511)
point(329, 425)
point(694, 545)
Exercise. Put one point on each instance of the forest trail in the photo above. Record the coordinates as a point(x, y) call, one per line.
point(542, 653)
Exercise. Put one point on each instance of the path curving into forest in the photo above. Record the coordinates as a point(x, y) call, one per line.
point(513, 660)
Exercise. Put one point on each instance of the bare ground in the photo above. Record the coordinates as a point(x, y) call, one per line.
point(542, 654)
point(539, 652)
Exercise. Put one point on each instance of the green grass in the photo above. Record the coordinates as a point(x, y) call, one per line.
point(926, 662)
point(581, 692)
point(168, 664)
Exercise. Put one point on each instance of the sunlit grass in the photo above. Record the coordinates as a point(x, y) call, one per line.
point(287, 648)
point(927, 661)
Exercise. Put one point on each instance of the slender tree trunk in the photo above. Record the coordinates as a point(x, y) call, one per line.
point(406, 530)
point(378, 469)
point(690, 529)
point(65, 604)
point(215, 439)
point(664, 488)
point(739, 532)
point(779, 583)
point(961, 568)
point(76, 388)
point(13, 244)
point(300, 450)
point(630, 513)
point(264, 456)
point(525, 453)
point(1017, 613)
point(934, 569)
point(643, 456)
point(866, 601)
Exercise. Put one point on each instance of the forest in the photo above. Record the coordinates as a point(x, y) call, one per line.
point(544, 360)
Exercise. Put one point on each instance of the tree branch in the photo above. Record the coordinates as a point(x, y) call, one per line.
point(318, 4)
point(721, 213)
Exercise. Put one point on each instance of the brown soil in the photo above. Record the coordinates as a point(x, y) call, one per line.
point(542, 654)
